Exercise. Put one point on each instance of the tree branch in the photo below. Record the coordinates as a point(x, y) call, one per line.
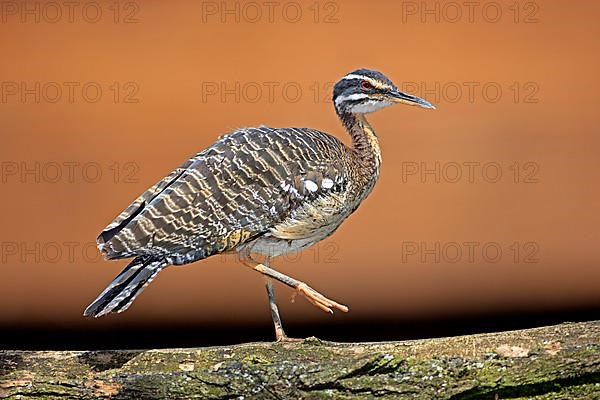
point(555, 362)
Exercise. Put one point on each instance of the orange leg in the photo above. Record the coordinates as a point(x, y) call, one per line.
point(314, 297)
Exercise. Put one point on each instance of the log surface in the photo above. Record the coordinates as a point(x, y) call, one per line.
point(555, 362)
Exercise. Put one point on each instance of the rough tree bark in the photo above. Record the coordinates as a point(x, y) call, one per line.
point(556, 362)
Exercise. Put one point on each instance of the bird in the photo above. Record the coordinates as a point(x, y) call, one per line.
point(258, 193)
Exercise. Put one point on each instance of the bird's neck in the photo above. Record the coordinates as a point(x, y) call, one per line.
point(365, 147)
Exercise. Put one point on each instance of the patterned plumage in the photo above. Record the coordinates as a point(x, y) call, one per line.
point(266, 191)
point(239, 188)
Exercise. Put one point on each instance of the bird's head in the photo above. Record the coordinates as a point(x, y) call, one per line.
point(364, 91)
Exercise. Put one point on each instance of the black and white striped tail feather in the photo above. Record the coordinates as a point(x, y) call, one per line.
point(121, 292)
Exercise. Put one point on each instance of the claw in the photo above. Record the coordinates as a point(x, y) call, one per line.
point(286, 339)
point(318, 300)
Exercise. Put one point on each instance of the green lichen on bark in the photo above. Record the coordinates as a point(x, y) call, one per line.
point(557, 362)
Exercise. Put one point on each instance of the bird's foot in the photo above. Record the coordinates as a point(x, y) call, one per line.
point(318, 300)
point(286, 339)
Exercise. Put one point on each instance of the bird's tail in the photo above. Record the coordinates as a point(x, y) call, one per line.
point(121, 292)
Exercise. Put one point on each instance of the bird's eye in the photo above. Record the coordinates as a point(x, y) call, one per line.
point(366, 85)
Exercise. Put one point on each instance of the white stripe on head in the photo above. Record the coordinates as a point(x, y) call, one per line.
point(354, 76)
point(353, 96)
point(372, 81)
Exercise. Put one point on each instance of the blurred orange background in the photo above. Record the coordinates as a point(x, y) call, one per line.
point(100, 103)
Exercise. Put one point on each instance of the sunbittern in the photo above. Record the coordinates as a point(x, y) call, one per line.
point(255, 192)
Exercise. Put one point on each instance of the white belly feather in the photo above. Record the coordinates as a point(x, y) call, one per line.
point(308, 225)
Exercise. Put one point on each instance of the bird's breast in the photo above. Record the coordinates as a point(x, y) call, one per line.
point(309, 224)
point(319, 215)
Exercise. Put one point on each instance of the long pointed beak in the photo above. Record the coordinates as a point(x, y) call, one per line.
point(404, 98)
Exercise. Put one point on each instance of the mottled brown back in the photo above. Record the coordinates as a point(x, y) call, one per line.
point(232, 192)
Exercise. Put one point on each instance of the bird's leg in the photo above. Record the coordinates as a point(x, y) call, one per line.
point(314, 297)
point(280, 335)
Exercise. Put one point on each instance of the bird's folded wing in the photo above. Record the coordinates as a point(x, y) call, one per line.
point(238, 188)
